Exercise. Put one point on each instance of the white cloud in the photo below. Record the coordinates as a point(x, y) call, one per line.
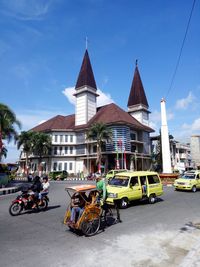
point(102, 99)
point(195, 126)
point(155, 119)
point(69, 93)
point(187, 130)
point(31, 118)
point(185, 102)
point(26, 10)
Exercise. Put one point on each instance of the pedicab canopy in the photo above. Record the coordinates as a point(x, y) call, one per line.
point(81, 188)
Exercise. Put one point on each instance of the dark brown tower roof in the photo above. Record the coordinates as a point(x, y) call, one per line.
point(137, 93)
point(86, 76)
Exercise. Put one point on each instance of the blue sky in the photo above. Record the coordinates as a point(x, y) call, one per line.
point(42, 44)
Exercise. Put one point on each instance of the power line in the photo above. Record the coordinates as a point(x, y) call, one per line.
point(179, 57)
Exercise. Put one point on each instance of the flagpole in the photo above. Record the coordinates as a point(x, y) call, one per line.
point(117, 162)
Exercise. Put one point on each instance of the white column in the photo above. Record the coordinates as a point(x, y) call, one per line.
point(166, 159)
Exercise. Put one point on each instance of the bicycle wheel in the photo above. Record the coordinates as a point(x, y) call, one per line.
point(91, 223)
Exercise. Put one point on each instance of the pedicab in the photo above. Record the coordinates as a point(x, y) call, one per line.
point(88, 222)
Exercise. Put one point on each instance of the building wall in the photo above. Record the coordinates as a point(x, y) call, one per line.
point(71, 152)
point(81, 102)
point(195, 149)
point(85, 107)
point(91, 103)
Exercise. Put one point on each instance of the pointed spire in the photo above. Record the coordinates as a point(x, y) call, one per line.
point(137, 94)
point(86, 76)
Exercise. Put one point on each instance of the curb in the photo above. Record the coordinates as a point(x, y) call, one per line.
point(9, 190)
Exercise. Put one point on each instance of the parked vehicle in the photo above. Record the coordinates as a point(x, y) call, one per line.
point(139, 185)
point(23, 203)
point(190, 180)
point(93, 176)
point(112, 173)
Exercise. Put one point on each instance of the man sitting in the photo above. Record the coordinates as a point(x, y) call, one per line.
point(77, 207)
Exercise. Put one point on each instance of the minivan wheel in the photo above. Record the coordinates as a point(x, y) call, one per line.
point(152, 199)
point(124, 203)
point(194, 189)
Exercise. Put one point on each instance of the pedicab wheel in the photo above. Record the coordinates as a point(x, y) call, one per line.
point(15, 209)
point(91, 224)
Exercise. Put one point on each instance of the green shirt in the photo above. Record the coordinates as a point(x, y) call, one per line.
point(101, 187)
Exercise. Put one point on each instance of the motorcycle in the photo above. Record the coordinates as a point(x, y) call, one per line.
point(24, 202)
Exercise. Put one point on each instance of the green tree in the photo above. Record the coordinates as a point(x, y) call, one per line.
point(8, 123)
point(4, 152)
point(25, 141)
point(101, 134)
point(41, 146)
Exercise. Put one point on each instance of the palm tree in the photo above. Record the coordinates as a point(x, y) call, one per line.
point(4, 152)
point(8, 122)
point(25, 140)
point(101, 134)
point(41, 145)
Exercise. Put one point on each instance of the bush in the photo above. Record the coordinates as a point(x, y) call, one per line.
point(60, 175)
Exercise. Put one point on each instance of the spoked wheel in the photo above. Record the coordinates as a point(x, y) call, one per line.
point(110, 216)
point(15, 209)
point(91, 223)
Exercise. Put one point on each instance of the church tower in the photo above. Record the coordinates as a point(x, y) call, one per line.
point(85, 93)
point(137, 102)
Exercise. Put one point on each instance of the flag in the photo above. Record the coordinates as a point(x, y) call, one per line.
point(124, 159)
point(117, 161)
point(99, 168)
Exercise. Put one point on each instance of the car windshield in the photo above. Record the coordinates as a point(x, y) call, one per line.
point(188, 176)
point(119, 181)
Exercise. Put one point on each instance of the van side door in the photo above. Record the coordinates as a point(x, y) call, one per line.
point(154, 185)
point(135, 190)
point(198, 180)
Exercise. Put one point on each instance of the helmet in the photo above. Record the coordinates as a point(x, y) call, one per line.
point(37, 178)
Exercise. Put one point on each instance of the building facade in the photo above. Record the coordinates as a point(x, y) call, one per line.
point(195, 150)
point(180, 154)
point(72, 152)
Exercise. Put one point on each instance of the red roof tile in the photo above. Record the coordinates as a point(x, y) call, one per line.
point(108, 114)
point(111, 114)
point(56, 123)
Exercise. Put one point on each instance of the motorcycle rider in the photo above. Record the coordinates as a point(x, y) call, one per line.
point(45, 189)
point(36, 188)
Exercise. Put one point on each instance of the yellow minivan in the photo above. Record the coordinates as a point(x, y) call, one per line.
point(134, 185)
point(189, 181)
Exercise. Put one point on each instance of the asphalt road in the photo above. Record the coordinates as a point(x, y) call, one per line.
point(149, 235)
